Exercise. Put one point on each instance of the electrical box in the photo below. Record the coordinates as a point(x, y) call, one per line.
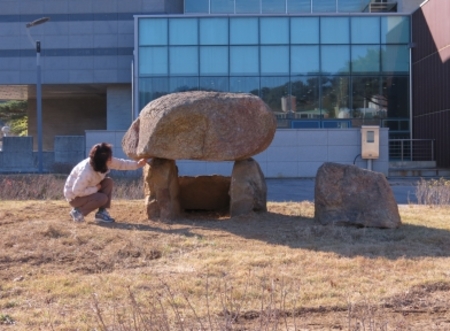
point(370, 142)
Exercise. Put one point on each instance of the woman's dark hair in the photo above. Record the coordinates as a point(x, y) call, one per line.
point(99, 155)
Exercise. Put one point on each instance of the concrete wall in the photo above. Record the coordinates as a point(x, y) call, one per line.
point(292, 153)
point(85, 41)
point(119, 112)
point(68, 116)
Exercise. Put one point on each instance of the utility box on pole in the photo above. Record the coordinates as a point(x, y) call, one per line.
point(370, 142)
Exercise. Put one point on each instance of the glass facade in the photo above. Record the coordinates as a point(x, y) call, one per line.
point(331, 71)
point(274, 6)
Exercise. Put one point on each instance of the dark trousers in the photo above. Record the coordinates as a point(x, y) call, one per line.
point(101, 199)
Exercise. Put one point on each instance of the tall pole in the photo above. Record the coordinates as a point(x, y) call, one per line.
point(38, 88)
point(39, 104)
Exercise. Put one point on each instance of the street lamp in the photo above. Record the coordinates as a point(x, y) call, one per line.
point(38, 86)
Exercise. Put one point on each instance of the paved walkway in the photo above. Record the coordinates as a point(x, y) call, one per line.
point(295, 189)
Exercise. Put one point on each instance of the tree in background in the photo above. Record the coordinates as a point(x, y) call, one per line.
point(14, 114)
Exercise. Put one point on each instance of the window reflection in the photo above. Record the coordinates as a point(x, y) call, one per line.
point(151, 89)
point(214, 84)
point(274, 30)
point(196, 6)
point(214, 60)
point(222, 6)
point(244, 31)
point(247, 6)
point(366, 59)
point(183, 60)
point(299, 6)
point(244, 60)
point(213, 31)
point(305, 30)
point(244, 85)
point(365, 30)
point(273, 6)
point(396, 92)
point(305, 90)
point(275, 60)
point(273, 89)
point(335, 97)
point(395, 58)
point(335, 59)
point(334, 30)
point(369, 105)
point(183, 84)
point(324, 6)
point(305, 60)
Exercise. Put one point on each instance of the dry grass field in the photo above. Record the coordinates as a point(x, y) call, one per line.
point(271, 271)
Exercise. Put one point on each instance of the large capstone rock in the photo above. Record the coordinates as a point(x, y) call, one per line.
point(348, 195)
point(201, 125)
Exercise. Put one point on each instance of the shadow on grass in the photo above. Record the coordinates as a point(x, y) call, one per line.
point(408, 241)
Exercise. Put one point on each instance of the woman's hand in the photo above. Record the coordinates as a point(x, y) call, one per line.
point(142, 162)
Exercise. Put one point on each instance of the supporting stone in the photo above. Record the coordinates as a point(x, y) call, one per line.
point(162, 189)
point(248, 190)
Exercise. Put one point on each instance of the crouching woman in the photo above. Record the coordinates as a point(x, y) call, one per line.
point(88, 188)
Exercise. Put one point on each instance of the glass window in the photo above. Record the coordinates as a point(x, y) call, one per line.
point(394, 29)
point(305, 30)
point(275, 60)
point(365, 30)
point(222, 6)
point(183, 31)
point(151, 89)
point(244, 60)
point(351, 6)
point(273, 6)
point(396, 92)
point(335, 96)
point(324, 6)
point(214, 60)
point(183, 84)
point(247, 7)
point(335, 59)
point(366, 59)
point(196, 6)
point(213, 31)
point(306, 93)
point(304, 60)
point(274, 30)
point(152, 32)
point(298, 6)
point(368, 103)
point(395, 58)
point(273, 89)
point(334, 30)
point(183, 60)
point(244, 85)
point(244, 31)
point(153, 61)
point(217, 84)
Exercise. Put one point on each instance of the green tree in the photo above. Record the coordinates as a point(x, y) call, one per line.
point(14, 114)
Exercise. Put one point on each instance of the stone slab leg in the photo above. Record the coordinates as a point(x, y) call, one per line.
point(248, 190)
point(161, 189)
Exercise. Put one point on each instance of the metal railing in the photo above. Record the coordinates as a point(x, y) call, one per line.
point(411, 149)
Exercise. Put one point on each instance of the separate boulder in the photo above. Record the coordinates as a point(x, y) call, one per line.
point(205, 193)
point(248, 190)
point(161, 189)
point(201, 125)
point(348, 195)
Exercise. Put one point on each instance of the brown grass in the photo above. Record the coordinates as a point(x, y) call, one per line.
point(276, 270)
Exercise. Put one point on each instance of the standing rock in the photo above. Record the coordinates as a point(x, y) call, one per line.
point(348, 195)
point(248, 190)
point(201, 125)
point(161, 189)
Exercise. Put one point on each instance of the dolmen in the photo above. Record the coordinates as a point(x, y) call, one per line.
point(206, 126)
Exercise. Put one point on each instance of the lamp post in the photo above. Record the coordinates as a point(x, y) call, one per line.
point(38, 87)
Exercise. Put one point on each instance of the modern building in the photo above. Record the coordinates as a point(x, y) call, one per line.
point(325, 67)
